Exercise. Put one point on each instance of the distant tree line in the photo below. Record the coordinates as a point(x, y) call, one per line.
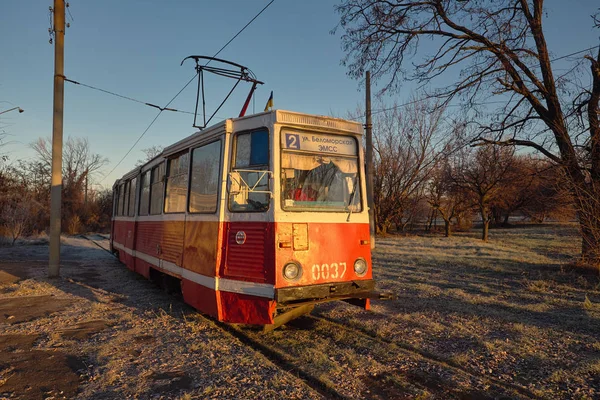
point(25, 191)
point(428, 175)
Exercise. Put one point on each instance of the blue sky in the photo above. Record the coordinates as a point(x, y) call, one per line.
point(134, 48)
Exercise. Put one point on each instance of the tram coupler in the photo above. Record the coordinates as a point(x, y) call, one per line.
point(287, 316)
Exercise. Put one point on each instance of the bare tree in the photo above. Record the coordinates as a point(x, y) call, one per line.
point(483, 173)
point(17, 215)
point(537, 190)
point(78, 160)
point(515, 192)
point(405, 145)
point(548, 196)
point(446, 198)
point(79, 164)
point(498, 48)
point(150, 153)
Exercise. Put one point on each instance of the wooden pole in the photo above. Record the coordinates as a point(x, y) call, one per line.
point(369, 157)
point(57, 138)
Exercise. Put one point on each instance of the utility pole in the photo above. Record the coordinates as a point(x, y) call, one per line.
point(369, 156)
point(57, 138)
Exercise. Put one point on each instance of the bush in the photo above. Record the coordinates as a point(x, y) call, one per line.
point(74, 225)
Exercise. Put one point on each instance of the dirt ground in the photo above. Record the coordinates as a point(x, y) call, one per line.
point(102, 332)
point(475, 320)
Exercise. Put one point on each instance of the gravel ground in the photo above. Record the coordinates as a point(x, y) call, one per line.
point(129, 339)
point(503, 319)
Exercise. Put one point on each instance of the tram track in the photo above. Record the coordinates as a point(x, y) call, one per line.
point(279, 357)
point(431, 357)
point(273, 355)
point(386, 370)
point(280, 360)
point(87, 237)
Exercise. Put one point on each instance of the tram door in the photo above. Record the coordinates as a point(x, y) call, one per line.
point(176, 182)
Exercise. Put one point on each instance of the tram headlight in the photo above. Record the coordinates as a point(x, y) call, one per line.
point(360, 267)
point(292, 271)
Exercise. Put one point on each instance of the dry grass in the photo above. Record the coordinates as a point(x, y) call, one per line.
point(505, 308)
point(154, 346)
point(472, 320)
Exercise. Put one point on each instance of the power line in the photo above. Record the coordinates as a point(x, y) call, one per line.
point(575, 53)
point(126, 97)
point(479, 104)
point(148, 128)
point(154, 105)
point(418, 101)
point(161, 109)
point(241, 30)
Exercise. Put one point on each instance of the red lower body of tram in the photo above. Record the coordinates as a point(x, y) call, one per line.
point(234, 271)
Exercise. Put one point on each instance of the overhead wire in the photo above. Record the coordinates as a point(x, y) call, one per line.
point(455, 105)
point(148, 127)
point(154, 105)
point(126, 97)
point(241, 30)
point(161, 109)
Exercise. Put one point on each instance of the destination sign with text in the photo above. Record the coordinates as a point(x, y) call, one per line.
point(319, 142)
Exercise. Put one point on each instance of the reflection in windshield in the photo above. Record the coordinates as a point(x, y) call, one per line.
point(318, 182)
point(249, 179)
point(249, 190)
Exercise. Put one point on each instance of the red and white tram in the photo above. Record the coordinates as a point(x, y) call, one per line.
point(259, 217)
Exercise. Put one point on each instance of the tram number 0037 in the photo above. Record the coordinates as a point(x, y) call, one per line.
point(326, 271)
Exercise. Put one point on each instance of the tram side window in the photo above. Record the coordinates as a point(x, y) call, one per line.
point(115, 201)
point(249, 190)
point(145, 194)
point(132, 190)
point(124, 211)
point(157, 189)
point(177, 184)
point(204, 186)
point(121, 197)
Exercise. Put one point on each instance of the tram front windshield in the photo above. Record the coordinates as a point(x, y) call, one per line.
point(320, 181)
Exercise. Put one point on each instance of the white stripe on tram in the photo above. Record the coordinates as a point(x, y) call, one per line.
point(214, 283)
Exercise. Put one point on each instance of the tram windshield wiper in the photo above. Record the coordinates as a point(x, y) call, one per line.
point(351, 198)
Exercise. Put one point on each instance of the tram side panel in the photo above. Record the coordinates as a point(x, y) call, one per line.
point(247, 273)
point(148, 239)
point(124, 233)
point(171, 246)
point(201, 257)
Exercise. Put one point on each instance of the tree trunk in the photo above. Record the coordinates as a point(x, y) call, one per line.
point(486, 229)
point(587, 198)
point(430, 221)
point(486, 224)
point(447, 228)
point(589, 226)
point(589, 247)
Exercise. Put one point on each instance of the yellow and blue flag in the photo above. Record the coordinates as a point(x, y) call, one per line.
point(269, 102)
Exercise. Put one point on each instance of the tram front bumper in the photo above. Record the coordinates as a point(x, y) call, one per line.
point(360, 289)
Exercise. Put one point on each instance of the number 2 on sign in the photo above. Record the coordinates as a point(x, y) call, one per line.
point(292, 141)
point(326, 271)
